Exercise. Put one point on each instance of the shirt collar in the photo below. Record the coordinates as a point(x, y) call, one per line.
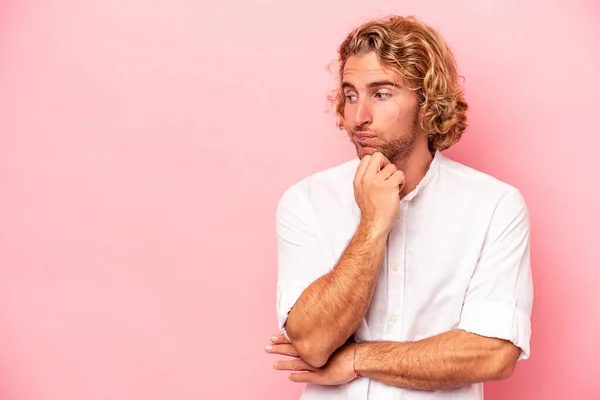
point(431, 172)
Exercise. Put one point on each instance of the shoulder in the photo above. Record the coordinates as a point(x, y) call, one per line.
point(482, 189)
point(321, 189)
point(477, 182)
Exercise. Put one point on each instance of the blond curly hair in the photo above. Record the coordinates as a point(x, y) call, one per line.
point(418, 53)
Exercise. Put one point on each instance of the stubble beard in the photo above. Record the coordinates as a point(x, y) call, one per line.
point(397, 150)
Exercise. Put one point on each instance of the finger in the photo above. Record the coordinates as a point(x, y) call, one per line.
point(362, 167)
point(387, 171)
point(279, 339)
point(293, 365)
point(376, 163)
point(303, 377)
point(283, 349)
point(397, 178)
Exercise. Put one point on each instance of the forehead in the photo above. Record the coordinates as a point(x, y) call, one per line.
point(360, 70)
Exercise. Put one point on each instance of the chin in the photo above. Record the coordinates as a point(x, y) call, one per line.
point(365, 151)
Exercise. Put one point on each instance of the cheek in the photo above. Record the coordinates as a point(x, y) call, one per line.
point(347, 113)
point(348, 125)
point(387, 115)
point(405, 117)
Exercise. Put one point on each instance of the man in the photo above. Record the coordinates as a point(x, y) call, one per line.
point(402, 273)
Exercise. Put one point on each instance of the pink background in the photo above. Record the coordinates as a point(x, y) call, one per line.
point(144, 146)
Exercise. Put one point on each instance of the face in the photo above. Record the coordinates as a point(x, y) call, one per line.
point(381, 112)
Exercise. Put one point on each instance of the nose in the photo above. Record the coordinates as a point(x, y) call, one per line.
point(362, 113)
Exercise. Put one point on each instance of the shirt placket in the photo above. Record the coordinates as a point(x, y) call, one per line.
point(396, 277)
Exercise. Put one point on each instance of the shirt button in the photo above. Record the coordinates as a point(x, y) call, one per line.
point(395, 268)
point(393, 319)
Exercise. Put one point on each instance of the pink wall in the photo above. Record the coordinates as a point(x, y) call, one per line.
point(143, 149)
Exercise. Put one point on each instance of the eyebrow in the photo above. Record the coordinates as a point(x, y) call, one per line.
point(371, 85)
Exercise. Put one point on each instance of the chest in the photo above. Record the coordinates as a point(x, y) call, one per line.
point(430, 256)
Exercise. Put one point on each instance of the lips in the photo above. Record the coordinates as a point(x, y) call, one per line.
point(361, 137)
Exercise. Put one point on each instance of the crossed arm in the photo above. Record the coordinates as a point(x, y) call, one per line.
point(326, 314)
point(331, 308)
point(451, 359)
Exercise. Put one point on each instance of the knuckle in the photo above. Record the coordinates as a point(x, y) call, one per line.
point(297, 365)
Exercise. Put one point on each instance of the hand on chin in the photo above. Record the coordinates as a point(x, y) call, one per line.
point(366, 151)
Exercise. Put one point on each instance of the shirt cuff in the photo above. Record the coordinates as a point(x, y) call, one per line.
point(287, 296)
point(502, 320)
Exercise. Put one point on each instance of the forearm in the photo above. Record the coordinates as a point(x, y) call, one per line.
point(332, 307)
point(452, 359)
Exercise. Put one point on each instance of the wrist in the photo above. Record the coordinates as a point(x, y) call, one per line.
point(358, 359)
point(357, 373)
point(372, 232)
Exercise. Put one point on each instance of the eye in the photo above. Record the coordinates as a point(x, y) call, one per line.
point(351, 97)
point(383, 95)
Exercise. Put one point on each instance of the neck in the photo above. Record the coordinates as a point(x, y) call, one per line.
point(415, 166)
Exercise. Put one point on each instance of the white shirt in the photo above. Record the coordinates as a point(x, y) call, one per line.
point(458, 257)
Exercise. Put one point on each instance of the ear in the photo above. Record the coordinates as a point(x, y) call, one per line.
point(421, 97)
point(422, 104)
point(421, 110)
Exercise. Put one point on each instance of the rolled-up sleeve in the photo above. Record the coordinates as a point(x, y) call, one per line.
point(499, 297)
point(299, 258)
